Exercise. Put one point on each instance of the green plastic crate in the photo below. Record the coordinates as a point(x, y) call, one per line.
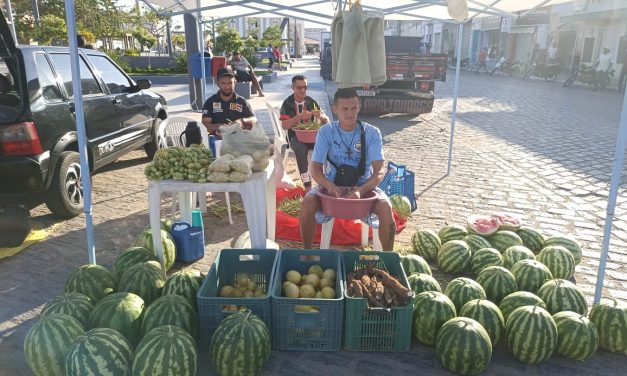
point(307, 331)
point(376, 329)
point(230, 264)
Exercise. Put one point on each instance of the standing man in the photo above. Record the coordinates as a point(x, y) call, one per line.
point(340, 143)
point(483, 56)
point(270, 55)
point(244, 71)
point(277, 56)
point(226, 106)
point(623, 72)
point(552, 53)
point(603, 66)
point(296, 109)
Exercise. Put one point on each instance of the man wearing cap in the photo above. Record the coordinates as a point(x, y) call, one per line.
point(244, 71)
point(226, 106)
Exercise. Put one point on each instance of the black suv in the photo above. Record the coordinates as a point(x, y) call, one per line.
point(38, 138)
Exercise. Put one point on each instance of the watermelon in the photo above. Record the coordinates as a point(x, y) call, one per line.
point(452, 232)
point(100, 351)
point(171, 310)
point(497, 282)
point(121, 311)
point(144, 240)
point(144, 279)
point(401, 205)
point(462, 290)
point(485, 257)
point(518, 299)
point(502, 240)
point(166, 225)
point(476, 242)
point(559, 260)
point(482, 225)
point(463, 346)
point(431, 310)
point(454, 256)
point(184, 283)
point(47, 342)
point(562, 295)
point(567, 242)
point(531, 238)
point(95, 281)
point(415, 264)
point(130, 257)
point(426, 243)
point(530, 275)
point(610, 318)
point(577, 337)
point(72, 304)
point(508, 222)
point(166, 350)
point(516, 253)
point(420, 282)
point(531, 334)
point(488, 315)
point(240, 345)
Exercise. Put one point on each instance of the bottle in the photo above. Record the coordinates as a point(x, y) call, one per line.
point(192, 134)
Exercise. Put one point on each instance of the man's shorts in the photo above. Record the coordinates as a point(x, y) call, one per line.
point(243, 76)
point(372, 220)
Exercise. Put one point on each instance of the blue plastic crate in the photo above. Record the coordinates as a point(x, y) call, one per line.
point(258, 264)
point(398, 180)
point(307, 331)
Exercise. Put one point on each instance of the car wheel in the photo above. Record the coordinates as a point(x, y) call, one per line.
point(64, 197)
point(550, 77)
point(154, 145)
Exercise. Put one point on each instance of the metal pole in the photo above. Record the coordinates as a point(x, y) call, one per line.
point(203, 92)
point(36, 12)
point(10, 14)
point(458, 53)
point(70, 18)
point(619, 157)
point(572, 58)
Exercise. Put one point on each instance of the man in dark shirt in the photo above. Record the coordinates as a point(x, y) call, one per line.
point(226, 106)
point(296, 109)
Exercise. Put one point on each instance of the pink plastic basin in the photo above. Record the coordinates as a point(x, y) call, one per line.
point(306, 136)
point(345, 207)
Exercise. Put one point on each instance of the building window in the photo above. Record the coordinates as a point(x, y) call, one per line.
point(588, 47)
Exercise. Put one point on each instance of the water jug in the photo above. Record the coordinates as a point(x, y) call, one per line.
point(189, 240)
point(192, 134)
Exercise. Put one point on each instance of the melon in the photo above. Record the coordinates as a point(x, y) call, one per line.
point(121, 311)
point(168, 246)
point(401, 205)
point(488, 315)
point(530, 275)
point(100, 351)
point(95, 281)
point(463, 346)
point(130, 257)
point(567, 242)
point(476, 242)
point(610, 318)
point(577, 335)
point(431, 310)
point(531, 334)
point(145, 279)
point(454, 256)
point(72, 304)
point(531, 238)
point(559, 260)
point(426, 243)
point(508, 222)
point(518, 299)
point(415, 264)
point(497, 282)
point(502, 240)
point(516, 253)
point(562, 295)
point(452, 232)
point(482, 225)
point(485, 257)
point(420, 282)
point(171, 310)
point(166, 350)
point(462, 290)
point(184, 283)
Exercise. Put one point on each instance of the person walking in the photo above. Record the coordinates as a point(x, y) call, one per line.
point(623, 73)
point(244, 71)
point(270, 56)
point(483, 56)
point(604, 63)
point(276, 52)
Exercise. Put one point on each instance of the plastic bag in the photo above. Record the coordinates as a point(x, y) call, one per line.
point(243, 163)
point(218, 177)
point(240, 176)
point(238, 141)
point(282, 179)
point(222, 164)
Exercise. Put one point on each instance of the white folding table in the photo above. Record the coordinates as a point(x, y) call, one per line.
point(258, 196)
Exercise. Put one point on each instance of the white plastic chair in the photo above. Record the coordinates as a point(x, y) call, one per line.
point(327, 230)
point(280, 138)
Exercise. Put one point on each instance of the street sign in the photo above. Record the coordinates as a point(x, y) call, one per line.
point(506, 24)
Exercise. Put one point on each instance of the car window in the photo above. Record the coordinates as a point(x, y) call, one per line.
point(10, 89)
point(89, 85)
point(47, 82)
point(114, 78)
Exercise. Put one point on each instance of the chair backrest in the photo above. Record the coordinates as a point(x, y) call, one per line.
point(173, 128)
point(279, 132)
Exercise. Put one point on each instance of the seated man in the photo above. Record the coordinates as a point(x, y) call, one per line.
point(226, 106)
point(243, 71)
point(340, 144)
point(296, 109)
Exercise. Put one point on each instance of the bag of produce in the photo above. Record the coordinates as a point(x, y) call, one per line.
point(254, 142)
point(243, 163)
point(222, 164)
point(218, 177)
point(240, 176)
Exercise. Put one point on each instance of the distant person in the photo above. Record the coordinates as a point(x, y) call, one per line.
point(270, 56)
point(552, 53)
point(483, 56)
point(81, 42)
point(276, 52)
point(604, 63)
point(623, 72)
point(244, 71)
point(493, 52)
point(208, 51)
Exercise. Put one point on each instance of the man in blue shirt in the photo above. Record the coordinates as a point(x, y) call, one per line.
point(339, 143)
point(270, 54)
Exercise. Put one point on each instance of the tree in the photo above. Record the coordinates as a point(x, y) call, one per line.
point(227, 40)
point(178, 40)
point(272, 35)
point(51, 30)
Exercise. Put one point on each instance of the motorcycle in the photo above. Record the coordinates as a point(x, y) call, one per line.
point(586, 74)
point(463, 65)
point(547, 71)
point(511, 69)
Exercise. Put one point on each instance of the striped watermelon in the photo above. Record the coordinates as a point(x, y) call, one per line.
point(610, 318)
point(488, 315)
point(462, 290)
point(530, 275)
point(171, 310)
point(454, 256)
point(100, 351)
point(130, 257)
point(516, 253)
point(426, 243)
point(166, 225)
point(166, 350)
point(240, 345)
point(531, 238)
point(95, 281)
point(72, 304)
point(559, 260)
point(415, 264)
point(47, 342)
point(476, 242)
point(145, 279)
point(184, 283)
point(567, 242)
point(562, 295)
point(463, 346)
point(482, 225)
point(485, 257)
point(121, 311)
point(577, 337)
point(420, 282)
point(452, 232)
point(531, 334)
point(508, 222)
point(502, 240)
point(497, 282)
point(144, 240)
point(518, 299)
point(431, 310)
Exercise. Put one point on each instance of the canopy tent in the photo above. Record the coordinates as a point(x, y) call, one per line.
point(322, 12)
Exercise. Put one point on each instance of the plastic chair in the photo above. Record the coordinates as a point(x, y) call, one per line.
point(279, 132)
point(327, 230)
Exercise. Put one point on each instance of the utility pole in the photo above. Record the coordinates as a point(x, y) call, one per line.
point(36, 12)
point(11, 21)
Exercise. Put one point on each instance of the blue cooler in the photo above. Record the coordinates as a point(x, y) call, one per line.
point(190, 242)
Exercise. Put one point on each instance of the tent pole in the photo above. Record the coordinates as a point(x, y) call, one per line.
point(70, 18)
point(619, 157)
point(458, 53)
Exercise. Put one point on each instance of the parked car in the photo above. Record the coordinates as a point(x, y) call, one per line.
point(38, 138)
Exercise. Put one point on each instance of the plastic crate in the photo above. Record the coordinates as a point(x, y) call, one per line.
point(257, 264)
point(307, 331)
point(376, 329)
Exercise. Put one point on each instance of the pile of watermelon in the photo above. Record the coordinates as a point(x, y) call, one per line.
point(522, 293)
